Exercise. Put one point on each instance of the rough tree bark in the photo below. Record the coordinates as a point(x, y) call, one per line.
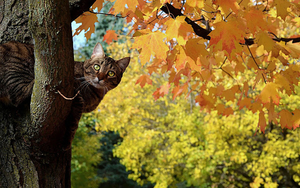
point(32, 135)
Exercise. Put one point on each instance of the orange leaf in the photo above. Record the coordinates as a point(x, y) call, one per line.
point(143, 80)
point(255, 20)
point(98, 4)
point(226, 36)
point(177, 91)
point(272, 114)
point(194, 48)
point(164, 89)
point(151, 43)
point(109, 36)
point(246, 102)
point(296, 118)
point(286, 119)
point(269, 93)
point(87, 21)
point(181, 58)
point(264, 39)
point(281, 7)
point(262, 121)
point(228, 5)
point(124, 6)
point(178, 29)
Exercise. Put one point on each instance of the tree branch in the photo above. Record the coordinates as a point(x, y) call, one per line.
point(174, 12)
point(201, 32)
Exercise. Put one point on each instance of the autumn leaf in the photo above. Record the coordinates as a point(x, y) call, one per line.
point(164, 89)
point(269, 93)
point(228, 5)
point(87, 21)
point(195, 48)
point(255, 20)
point(226, 36)
point(109, 36)
point(98, 4)
point(281, 7)
point(265, 40)
point(144, 79)
point(151, 43)
point(178, 29)
point(262, 121)
point(296, 118)
point(286, 119)
point(124, 6)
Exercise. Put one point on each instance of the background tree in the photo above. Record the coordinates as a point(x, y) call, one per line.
point(171, 143)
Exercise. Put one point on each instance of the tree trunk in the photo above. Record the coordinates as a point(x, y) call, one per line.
point(32, 136)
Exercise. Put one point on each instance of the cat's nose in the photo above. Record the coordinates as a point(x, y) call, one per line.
point(101, 76)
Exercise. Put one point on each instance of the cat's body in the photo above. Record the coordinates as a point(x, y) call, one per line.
point(93, 78)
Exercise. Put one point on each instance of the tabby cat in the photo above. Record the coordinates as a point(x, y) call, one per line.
point(93, 78)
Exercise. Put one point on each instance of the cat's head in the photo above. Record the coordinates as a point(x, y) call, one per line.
point(104, 72)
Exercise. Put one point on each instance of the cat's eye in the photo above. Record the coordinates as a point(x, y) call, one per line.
point(96, 67)
point(110, 73)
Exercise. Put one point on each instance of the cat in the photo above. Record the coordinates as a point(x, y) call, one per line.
point(93, 77)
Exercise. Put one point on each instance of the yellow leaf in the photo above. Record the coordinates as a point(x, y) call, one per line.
point(294, 49)
point(195, 47)
point(286, 119)
point(87, 21)
point(151, 43)
point(265, 40)
point(178, 29)
point(281, 7)
point(124, 6)
point(195, 4)
point(269, 93)
point(283, 82)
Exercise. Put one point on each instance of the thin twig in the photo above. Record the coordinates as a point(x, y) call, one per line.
point(67, 98)
point(232, 11)
point(256, 64)
point(106, 14)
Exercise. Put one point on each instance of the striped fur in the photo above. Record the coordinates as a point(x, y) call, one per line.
point(94, 77)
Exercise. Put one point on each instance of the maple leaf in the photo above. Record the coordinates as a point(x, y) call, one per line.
point(286, 119)
point(262, 121)
point(255, 20)
point(294, 49)
point(164, 89)
point(226, 36)
point(296, 118)
point(269, 93)
point(151, 43)
point(177, 91)
point(228, 5)
point(124, 6)
point(181, 58)
point(178, 29)
point(109, 36)
point(144, 79)
point(195, 47)
point(265, 40)
point(194, 4)
point(87, 21)
point(98, 4)
point(281, 7)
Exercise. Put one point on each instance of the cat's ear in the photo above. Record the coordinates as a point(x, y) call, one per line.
point(98, 51)
point(123, 63)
